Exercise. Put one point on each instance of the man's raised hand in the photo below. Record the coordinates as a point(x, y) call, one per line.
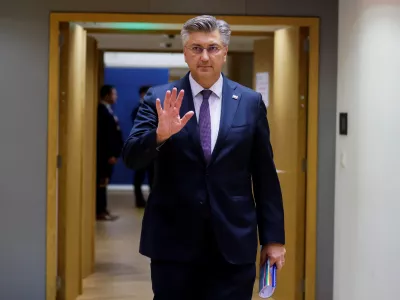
point(169, 120)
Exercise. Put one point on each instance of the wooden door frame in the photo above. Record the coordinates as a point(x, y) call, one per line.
point(52, 125)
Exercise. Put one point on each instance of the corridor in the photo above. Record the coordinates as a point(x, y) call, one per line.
point(121, 273)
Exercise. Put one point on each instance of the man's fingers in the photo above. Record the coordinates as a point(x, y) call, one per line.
point(158, 107)
point(186, 118)
point(167, 100)
point(171, 101)
point(279, 261)
point(279, 264)
point(272, 261)
point(178, 102)
point(173, 97)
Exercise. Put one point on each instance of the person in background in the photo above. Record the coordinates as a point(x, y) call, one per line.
point(215, 178)
point(139, 175)
point(109, 145)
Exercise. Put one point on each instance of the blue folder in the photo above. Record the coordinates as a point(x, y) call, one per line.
point(267, 282)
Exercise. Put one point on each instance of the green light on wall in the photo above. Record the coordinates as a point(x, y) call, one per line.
point(135, 26)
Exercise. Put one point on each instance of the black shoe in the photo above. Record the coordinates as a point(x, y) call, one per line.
point(107, 217)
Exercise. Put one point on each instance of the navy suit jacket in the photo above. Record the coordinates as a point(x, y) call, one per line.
point(236, 191)
point(109, 141)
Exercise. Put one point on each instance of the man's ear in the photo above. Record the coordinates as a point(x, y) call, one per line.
point(184, 54)
point(226, 53)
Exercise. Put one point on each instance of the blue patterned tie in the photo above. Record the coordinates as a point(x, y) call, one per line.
point(205, 125)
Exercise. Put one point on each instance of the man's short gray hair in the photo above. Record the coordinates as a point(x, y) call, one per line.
point(206, 24)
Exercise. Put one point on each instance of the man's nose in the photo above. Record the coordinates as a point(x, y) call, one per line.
point(204, 55)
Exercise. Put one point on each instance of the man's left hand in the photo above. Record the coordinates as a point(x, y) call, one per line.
point(112, 160)
point(275, 253)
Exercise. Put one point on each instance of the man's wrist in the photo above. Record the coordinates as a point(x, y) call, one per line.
point(161, 138)
point(273, 244)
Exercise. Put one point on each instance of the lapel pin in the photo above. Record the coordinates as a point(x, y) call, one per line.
point(235, 97)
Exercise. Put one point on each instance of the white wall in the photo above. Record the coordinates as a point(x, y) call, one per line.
point(367, 198)
point(144, 60)
point(24, 51)
point(174, 61)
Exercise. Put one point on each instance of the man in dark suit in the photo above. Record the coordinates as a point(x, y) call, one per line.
point(109, 145)
point(140, 174)
point(215, 179)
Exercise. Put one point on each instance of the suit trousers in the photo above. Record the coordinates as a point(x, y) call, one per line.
point(101, 200)
point(101, 189)
point(211, 278)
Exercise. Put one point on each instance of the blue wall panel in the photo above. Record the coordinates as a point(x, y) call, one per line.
point(127, 82)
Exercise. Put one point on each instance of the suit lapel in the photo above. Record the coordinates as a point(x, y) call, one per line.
point(230, 102)
point(188, 105)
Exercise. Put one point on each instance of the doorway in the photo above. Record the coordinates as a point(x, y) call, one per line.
point(302, 173)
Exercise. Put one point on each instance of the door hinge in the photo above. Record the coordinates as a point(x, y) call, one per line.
point(306, 44)
point(303, 286)
point(58, 283)
point(304, 165)
point(60, 40)
point(59, 161)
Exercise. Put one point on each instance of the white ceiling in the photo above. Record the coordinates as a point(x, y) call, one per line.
point(141, 41)
point(170, 26)
point(158, 42)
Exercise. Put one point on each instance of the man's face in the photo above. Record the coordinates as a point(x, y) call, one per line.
point(113, 96)
point(205, 54)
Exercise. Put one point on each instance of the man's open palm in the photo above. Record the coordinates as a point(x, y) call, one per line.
point(169, 120)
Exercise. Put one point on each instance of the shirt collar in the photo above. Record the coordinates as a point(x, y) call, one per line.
point(107, 105)
point(197, 88)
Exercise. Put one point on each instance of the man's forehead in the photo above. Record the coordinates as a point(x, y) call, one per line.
point(201, 38)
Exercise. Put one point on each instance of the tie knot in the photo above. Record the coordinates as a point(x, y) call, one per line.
point(206, 94)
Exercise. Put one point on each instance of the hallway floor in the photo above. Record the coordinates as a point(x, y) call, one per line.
point(121, 273)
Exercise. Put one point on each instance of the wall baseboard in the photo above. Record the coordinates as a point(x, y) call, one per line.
point(124, 189)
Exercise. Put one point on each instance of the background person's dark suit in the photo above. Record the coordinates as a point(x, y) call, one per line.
point(109, 144)
point(201, 212)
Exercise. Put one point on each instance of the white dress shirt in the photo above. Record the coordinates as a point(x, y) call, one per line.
point(214, 101)
point(108, 106)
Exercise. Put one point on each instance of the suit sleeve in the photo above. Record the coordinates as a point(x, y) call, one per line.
point(140, 149)
point(134, 113)
point(266, 186)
